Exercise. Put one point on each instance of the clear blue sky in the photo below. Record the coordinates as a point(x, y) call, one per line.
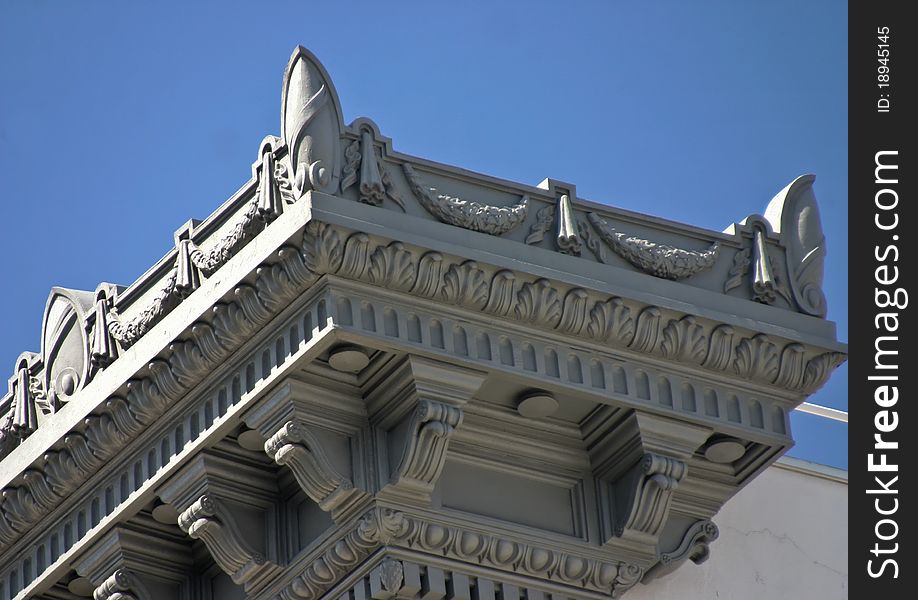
point(120, 121)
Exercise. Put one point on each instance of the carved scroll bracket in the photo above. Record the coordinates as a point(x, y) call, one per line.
point(236, 532)
point(639, 465)
point(643, 496)
point(419, 404)
point(694, 546)
point(131, 564)
point(297, 448)
point(305, 426)
point(122, 585)
point(210, 521)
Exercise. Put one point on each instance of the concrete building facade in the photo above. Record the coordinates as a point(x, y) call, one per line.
point(368, 375)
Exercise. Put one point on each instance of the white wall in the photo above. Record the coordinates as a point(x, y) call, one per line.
point(784, 536)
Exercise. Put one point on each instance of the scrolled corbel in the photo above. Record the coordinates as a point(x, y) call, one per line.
point(208, 521)
point(299, 450)
point(122, 585)
point(432, 425)
point(694, 547)
point(643, 497)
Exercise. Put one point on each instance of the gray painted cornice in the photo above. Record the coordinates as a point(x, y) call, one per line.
point(660, 344)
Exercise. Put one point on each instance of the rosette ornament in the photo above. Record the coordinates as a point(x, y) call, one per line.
point(311, 124)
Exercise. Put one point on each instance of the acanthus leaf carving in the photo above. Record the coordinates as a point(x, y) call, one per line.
point(230, 324)
point(611, 321)
point(720, 349)
point(252, 306)
point(684, 340)
point(390, 574)
point(321, 248)
point(694, 547)
point(818, 370)
point(186, 362)
point(538, 302)
point(429, 281)
point(465, 284)
point(502, 297)
point(757, 358)
point(145, 398)
point(393, 267)
point(793, 366)
point(278, 283)
point(356, 258)
point(468, 214)
point(659, 260)
point(296, 448)
point(574, 311)
point(208, 521)
point(647, 330)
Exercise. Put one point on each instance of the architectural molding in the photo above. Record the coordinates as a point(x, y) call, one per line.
point(495, 220)
point(515, 556)
point(237, 336)
point(694, 546)
point(659, 260)
point(295, 447)
point(540, 302)
point(130, 564)
point(794, 217)
point(385, 527)
point(643, 497)
point(122, 585)
point(207, 521)
point(376, 527)
point(424, 455)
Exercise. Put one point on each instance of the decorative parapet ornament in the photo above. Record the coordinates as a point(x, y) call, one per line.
point(309, 393)
point(659, 260)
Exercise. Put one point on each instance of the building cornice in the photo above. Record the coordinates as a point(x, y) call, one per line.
point(680, 339)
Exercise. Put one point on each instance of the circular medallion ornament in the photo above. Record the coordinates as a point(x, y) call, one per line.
point(537, 404)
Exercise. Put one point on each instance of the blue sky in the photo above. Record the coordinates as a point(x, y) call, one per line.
point(120, 121)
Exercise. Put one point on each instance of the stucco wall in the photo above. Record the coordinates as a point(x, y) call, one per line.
point(785, 536)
